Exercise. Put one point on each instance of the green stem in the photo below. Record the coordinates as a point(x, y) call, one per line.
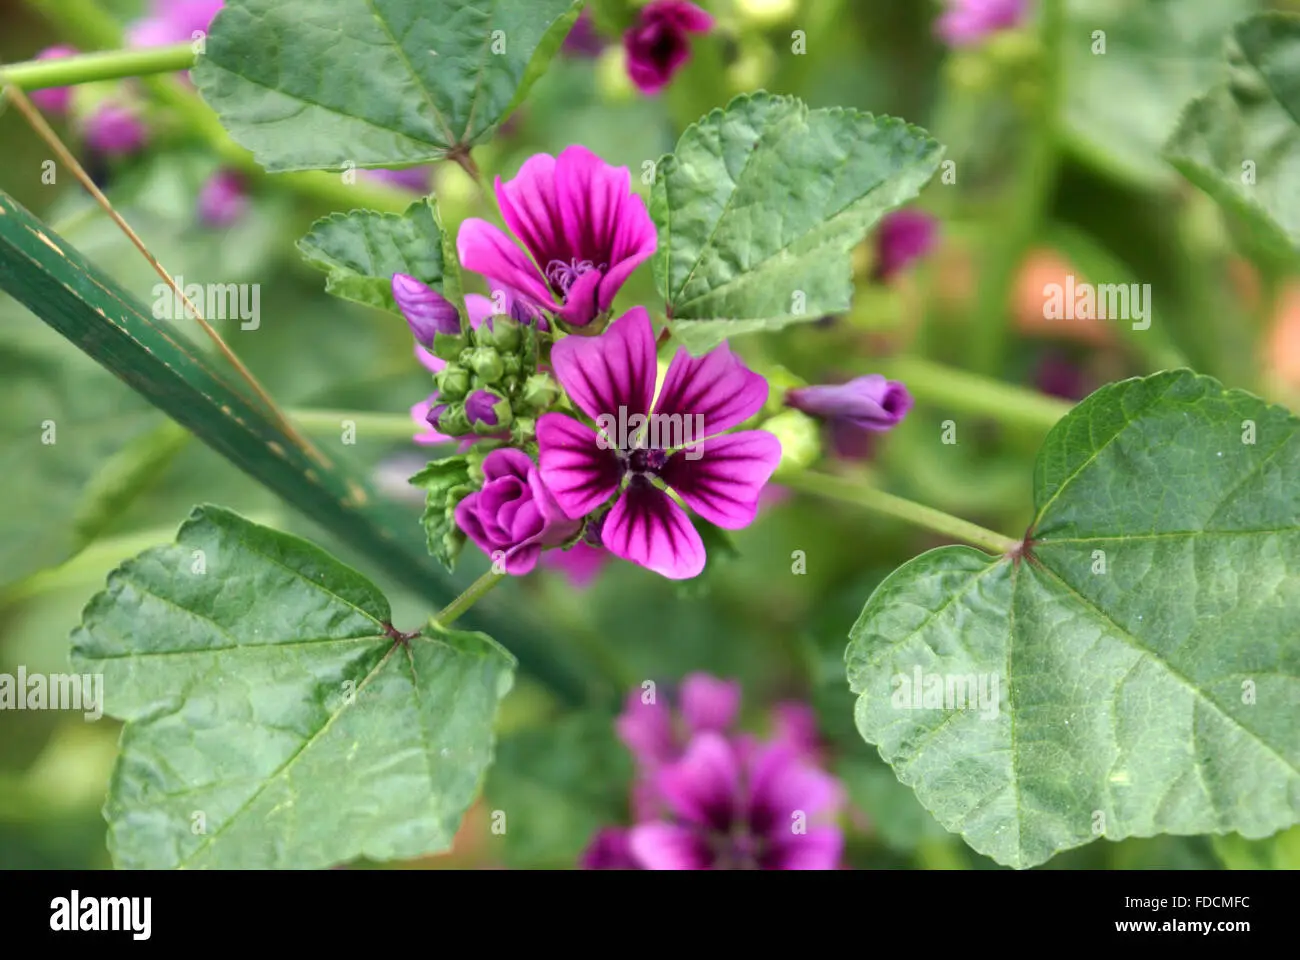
point(849, 491)
point(473, 593)
point(92, 67)
point(387, 426)
point(972, 393)
point(1035, 183)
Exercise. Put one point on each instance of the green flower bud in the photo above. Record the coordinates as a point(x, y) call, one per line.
point(800, 437)
point(539, 394)
point(453, 383)
point(486, 362)
point(453, 421)
point(448, 347)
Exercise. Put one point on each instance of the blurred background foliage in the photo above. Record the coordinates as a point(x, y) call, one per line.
point(1100, 203)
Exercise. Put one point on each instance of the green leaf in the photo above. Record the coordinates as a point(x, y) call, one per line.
point(1240, 142)
point(272, 718)
point(407, 80)
point(362, 250)
point(1137, 669)
point(760, 206)
point(1122, 104)
point(53, 280)
point(447, 482)
point(556, 786)
point(1278, 852)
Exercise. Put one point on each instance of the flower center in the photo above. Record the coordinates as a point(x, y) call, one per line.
point(642, 462)
point(563, 276)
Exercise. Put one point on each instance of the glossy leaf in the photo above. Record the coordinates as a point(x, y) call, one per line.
point(272, 718)
point(1133, 673)
point(759, 207)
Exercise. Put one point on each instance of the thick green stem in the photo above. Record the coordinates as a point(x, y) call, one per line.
point(394, 426)
point(1035, 182)
point(92, 67)
point(849, 491)
point(972, 393)
point(473, 593)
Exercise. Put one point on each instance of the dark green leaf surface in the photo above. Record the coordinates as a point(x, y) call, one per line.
point(761, 204)
point(272, 720)
point(1123, 103)
point(407, 80)
point(1240, 143)
point(1145, 653)
point(362, 250)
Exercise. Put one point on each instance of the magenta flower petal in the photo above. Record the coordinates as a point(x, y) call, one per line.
point(716, 386)
point(601, 213)
point(658, 45)
point(663, 846)
point(818, 849)
point(613, 372)
point(647, 528)
point(429, 361)
point(485, 249)
point(426, 434)
point(647, 731)
point(723, 485)
point(968, 22)
point(54, 100)
point(579, 473)
point(867, 403)
point(903, 237)
point(223, 198)
point(709, 704)
point(530, 206)
point(115, 130)
point(609, 850)
point(703, 787)
point(427, 312)
point(579, 563)
point(782, 784)
point(795, 726)
point(580, 303)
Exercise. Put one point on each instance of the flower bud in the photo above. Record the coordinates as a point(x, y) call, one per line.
point(867, 403)
point(539, 393)
point(427, 312)
point(486, 363)
point(453, 383)
point(488, 412)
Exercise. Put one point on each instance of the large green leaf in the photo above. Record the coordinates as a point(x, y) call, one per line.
point(362, 250)
point(309, 85)
point(1240, 142)
point(55, 282)
point(1143, 648)
point(1121, 104)
point(761, 204)
point(273, 717)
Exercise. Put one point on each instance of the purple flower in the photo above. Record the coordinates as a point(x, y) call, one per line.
point(1058, 376)
point(425, 413)
point(904, 236)
point(409, 178)
point(222, 199)
point(611, 378)
point(114, 130)
point(54, 100)
point(656, 734)
point(480, 407)
point(580, 222)
point(659, 44)
point(579, 564)
point(172, 21)
point(968, 22)
point(427, 312)
point(867, 403)
point(583, 40)
point(738, 806)
point(608, 850)
point(514, 516)
point(503, 300)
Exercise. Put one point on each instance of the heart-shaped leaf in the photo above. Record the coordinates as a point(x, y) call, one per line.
point(274, 717)
point(761, 204)
point(309, 85)
point(1133, 669)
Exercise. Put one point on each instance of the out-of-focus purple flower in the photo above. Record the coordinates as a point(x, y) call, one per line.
point(583, 40)
point(1058, 376)
point(54, 100)
point(658, 44)
point(172, 21)
point(794, 724)
point(579, 564)
point(736, 807)
point(427, 312)
point(425, 412)
point(222, 199)
point(114, 130)
point(585, 229)
point(503, 300)
point(657, 731)
point(415, 179)
point(904, 237)
point(968, 22)
point(611, 378)
point(513, 517)
point(867, 403)
point(608, 850)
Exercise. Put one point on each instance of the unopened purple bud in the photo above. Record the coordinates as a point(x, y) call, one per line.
point(408, 178)
point(223, 199)
point(55, 100)
point(115, 130)
point(968, 22)
point(868, 403)
point(480, 407)
point(426, 310)
point(904, 237)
